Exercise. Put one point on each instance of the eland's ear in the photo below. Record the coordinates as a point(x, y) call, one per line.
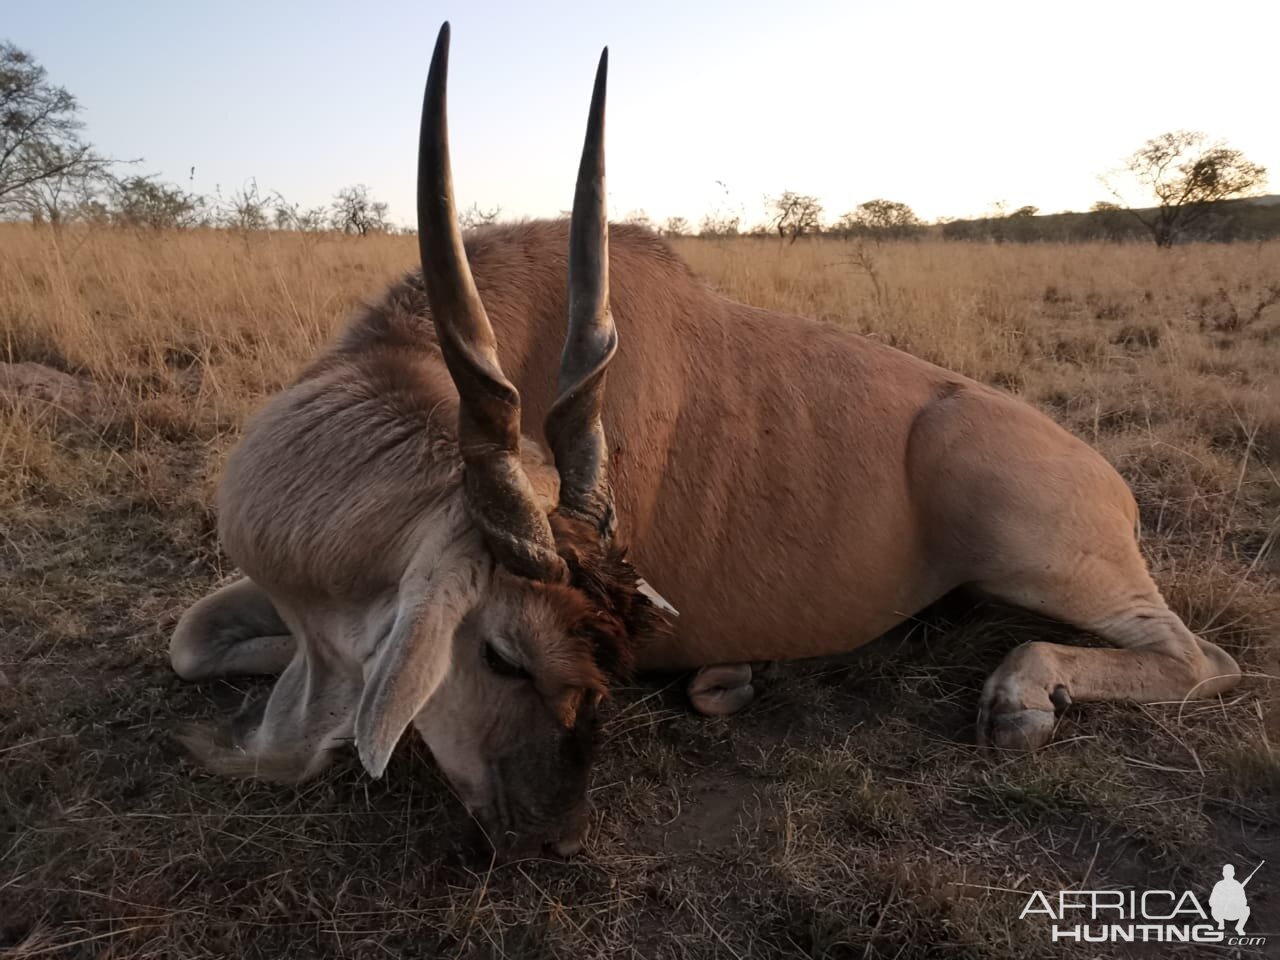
point(406, 670)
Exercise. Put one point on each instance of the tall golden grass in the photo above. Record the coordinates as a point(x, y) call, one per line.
point(124, 306)
point(249, 308)
point(1172, 354)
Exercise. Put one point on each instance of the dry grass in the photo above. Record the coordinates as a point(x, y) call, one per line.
point(847, 814)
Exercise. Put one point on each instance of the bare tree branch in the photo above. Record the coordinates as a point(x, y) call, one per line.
point(43, 160)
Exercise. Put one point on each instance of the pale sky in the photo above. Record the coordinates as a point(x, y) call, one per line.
point(948, 106)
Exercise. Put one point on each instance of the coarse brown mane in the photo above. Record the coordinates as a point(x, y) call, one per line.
point(617, 617)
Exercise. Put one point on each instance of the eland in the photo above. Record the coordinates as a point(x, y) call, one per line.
point(485, 502)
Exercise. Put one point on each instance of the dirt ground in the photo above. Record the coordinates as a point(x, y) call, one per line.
point(846, 813)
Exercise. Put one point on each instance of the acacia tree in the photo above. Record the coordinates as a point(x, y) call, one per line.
point(474, 216)
point(640, 218)
point(720, 225)
point(355, 211)
point(1186, 173)
point(883, 219)
point(146, 202)
point(675, 227)
point(293, 216)
point(794, 214)
point(45, 166)
point(246, 209)
point(1109, 221)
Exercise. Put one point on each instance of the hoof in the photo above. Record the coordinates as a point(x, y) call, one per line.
point(722, 702)
point(1010, 719)
point(246, 721)
point(721, 690)
point(1020, 730)
point(211, 747)
point(216, 750)
point(1223, 671)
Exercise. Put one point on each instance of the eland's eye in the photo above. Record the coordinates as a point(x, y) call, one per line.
point(500, 665)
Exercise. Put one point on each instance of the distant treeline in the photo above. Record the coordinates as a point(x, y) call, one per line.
point(1222, 222)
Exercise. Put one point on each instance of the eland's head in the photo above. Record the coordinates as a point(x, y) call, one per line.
point(534, 642)
point(415, 561)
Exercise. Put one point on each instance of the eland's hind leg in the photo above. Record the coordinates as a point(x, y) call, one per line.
point(1023, 510)
point(235, 630)
point(1107, 592)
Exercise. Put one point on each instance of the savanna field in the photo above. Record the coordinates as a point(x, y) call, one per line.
point(846, 813)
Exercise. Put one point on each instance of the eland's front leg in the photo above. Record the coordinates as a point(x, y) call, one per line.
point(290, 736)
point(286, 736)
point(234, 630)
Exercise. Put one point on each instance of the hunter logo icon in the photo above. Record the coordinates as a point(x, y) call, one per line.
point(1228, 900)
